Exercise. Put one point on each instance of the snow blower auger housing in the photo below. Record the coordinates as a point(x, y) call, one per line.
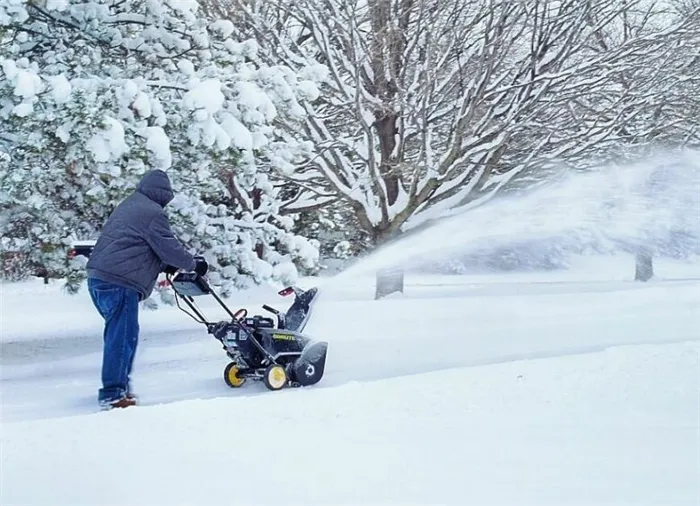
point(260, 348)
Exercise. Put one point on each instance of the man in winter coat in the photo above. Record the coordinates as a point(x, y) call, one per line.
point(135, 245)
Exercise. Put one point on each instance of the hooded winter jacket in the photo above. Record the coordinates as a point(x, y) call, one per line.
point(136, 242)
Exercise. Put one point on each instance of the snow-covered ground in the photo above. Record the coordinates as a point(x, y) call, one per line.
point(575, 387)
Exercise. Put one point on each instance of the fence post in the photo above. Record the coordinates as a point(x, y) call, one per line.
point(644, 265)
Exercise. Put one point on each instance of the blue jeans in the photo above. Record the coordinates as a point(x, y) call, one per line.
point(119, 307)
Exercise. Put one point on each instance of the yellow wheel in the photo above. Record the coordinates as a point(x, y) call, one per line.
point(275, 377)
point(231, 376)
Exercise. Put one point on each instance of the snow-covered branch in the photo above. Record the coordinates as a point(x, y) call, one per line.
point(438, 103)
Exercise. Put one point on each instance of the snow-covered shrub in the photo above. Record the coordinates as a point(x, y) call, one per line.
point(93, 93)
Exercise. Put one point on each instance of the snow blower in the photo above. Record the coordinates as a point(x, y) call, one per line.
point(260, 348)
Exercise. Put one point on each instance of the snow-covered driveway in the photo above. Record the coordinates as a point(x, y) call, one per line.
point(51, 342)
point(512, 389)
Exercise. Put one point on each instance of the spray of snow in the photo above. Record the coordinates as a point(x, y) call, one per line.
point(653, 204)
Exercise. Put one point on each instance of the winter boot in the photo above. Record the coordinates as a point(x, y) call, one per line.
point(124, 402)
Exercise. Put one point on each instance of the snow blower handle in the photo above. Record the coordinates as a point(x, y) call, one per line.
point(201, 267)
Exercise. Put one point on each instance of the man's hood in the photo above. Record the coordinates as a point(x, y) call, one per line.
point(155, 185)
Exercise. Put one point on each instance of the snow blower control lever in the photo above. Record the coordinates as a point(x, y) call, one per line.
point(281, 320)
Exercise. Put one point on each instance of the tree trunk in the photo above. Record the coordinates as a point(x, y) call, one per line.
point(387, 130)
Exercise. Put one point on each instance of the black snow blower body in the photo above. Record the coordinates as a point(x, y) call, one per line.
point(271, 349)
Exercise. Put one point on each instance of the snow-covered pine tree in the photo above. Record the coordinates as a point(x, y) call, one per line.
point(95, 93)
